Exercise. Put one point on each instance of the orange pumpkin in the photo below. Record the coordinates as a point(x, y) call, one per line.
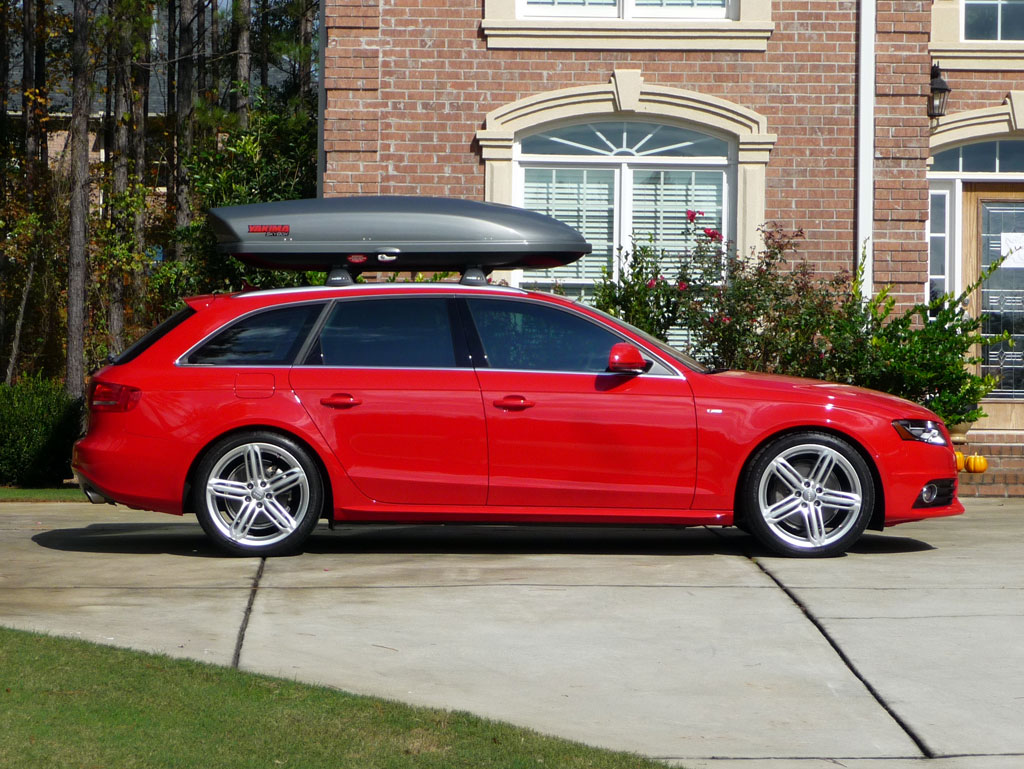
point(959, 460)
point(976, 463)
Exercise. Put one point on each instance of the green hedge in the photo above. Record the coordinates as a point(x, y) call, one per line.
point(38, 425)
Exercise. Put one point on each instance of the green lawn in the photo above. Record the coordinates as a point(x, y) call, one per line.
point(62, 494)
point(72, 704)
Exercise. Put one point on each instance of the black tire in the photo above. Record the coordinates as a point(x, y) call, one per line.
point(258, 493)
point(807, 495)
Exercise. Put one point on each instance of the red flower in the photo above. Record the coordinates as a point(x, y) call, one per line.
point(691, 215)
point(682, 285)
point(712, 234)
point(651, 283)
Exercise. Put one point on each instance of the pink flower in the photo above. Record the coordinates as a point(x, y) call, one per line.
point(682, 285)
point(651, 283)
point(691, 215)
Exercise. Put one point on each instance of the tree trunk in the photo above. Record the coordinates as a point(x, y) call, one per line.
point(306, 60)
point(185, 106)
point(264, 44)
point(43, 145)
point(28, 84)
point(12, 362)
point(121, 219)
point(5, 77)
point(170, 115)
point(215, 44)
point(79, 235)
point(140, 119)
point(201, 80)
point(242, 26)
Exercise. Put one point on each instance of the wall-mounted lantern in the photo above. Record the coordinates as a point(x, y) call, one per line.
point(939, 93)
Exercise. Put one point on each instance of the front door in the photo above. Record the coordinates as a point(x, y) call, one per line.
point(994, 228)
point(564, 433)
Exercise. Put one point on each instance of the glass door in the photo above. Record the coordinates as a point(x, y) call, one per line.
point(994, 228)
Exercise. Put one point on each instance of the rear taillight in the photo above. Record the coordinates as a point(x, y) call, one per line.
point(107, 396)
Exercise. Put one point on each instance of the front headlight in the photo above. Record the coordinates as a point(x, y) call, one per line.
point(924, 430)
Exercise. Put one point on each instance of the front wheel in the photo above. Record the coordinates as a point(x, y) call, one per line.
point(807, 494)
point(258, 493)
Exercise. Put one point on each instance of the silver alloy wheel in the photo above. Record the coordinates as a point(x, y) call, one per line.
point(257, 494)
point(810, 496)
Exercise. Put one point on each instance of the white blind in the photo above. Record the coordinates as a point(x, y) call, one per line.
point(583, 198)
point(661, 199)
point(572, 3)
point(681, 3)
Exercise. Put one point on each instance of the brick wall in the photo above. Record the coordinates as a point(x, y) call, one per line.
point(410, 82)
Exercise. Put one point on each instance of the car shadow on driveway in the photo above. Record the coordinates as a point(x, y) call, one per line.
point(186, 538)
point(168, 538)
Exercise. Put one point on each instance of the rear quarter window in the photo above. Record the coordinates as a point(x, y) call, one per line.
point(153, 336)
point(266, 338)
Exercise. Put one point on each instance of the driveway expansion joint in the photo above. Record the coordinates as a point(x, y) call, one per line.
point(248, 613)
point(907, 729)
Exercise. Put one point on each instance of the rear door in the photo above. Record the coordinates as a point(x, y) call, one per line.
point(391, 390)
point(564, 433)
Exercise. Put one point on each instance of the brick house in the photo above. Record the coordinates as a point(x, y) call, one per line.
point(618, 115)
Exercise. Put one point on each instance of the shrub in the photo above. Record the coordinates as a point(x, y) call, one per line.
point(926, 354)
point(642, 296)
point(766, 313)
point(38, 424)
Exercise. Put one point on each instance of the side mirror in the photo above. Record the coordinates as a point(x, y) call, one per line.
point(626, 359)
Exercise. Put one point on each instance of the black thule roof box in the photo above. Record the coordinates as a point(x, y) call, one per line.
point(350, 235)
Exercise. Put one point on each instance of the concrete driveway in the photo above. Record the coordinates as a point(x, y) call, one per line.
point(686, 645)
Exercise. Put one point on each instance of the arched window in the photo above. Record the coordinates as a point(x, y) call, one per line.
point(992, 157)
point(616, 180)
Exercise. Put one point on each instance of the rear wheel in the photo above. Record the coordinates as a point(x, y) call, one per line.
point(808, 494)
point(258, 493)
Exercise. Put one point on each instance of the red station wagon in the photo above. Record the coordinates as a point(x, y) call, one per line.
point(263, 412)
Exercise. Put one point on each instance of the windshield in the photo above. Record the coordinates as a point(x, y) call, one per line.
point(663, 347)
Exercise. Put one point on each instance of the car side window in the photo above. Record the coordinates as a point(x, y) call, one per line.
point(268, 338)
point(534, 337)
point(412, 332)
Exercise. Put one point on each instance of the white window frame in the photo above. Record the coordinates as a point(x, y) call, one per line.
point(744, 25)
point(949, 274)
point(949, 45)
point(999, 23)
point(623, 9)
point(623, 191)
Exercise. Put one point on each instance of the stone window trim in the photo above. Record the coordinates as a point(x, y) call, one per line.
point(627, 95)
point(978, 124)
point(749, 31)
point(948, 47)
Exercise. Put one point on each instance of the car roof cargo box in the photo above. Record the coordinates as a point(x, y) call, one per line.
point(394, 233)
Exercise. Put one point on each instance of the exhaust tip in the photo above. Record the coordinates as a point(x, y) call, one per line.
point(91, 493)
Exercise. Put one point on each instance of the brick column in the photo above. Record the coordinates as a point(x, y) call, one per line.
point(352, 79)
point(901, 148)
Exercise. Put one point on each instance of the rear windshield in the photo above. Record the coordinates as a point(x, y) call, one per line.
point(153, 336)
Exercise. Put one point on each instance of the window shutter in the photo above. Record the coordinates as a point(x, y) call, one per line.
point(583, 198)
